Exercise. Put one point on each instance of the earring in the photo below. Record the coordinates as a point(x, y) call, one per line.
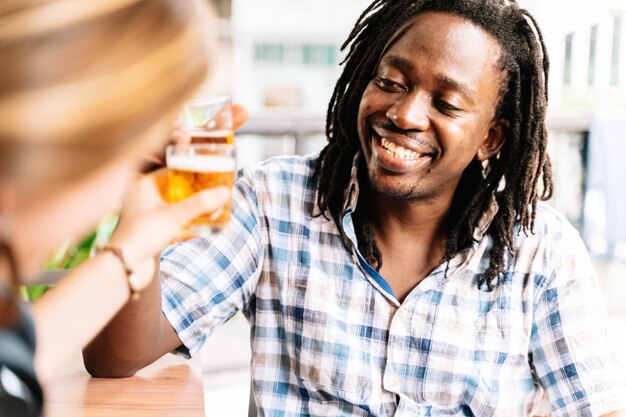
point(486, 167)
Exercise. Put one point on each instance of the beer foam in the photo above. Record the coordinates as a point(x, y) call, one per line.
point(215, 134)
point(201, 163)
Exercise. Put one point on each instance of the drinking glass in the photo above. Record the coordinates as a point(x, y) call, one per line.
point(207, 120)
point(195, 167)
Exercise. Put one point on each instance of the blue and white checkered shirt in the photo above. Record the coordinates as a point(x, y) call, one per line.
point(329, 338)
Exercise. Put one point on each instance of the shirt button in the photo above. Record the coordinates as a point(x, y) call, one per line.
point(480, 323)
point(325, 288)
point(394, 383)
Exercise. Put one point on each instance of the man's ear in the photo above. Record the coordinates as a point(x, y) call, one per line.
point(493, 140)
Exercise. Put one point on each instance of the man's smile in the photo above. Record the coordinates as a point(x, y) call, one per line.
point(398, 151)
point(396, 156)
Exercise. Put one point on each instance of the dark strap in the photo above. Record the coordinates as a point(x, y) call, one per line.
point(16, 356)
point(9, 291)
point(20, 392)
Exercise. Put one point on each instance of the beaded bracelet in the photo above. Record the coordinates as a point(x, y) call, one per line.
point(130, 274)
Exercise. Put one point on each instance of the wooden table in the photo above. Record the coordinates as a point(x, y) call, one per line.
point(171, 386)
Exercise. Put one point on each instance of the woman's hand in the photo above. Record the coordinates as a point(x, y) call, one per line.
point(147, 223)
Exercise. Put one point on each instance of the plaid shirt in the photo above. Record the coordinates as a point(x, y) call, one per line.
point(329, 338)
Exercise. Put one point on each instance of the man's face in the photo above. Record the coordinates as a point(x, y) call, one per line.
point(429, 109)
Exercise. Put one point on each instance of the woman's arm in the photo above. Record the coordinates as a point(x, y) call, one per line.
point(69, 316)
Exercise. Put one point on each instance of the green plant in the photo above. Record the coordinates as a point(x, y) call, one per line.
point(68, 257)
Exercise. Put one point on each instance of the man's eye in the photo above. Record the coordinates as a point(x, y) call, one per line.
point(388, 85)
point(446, 107)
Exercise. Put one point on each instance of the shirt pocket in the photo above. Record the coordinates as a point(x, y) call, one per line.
point(476, 349)
point(502, 380)
point(501, 338)
point(449, 356)
point(329, 361)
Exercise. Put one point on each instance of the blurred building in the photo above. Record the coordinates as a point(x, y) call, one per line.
point(221, 79)
point(587, 46)
point(286, 52)
point(285, 57)
point(586, 41)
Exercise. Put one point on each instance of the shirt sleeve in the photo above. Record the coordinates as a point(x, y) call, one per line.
point(575, 361)
point(204, 283)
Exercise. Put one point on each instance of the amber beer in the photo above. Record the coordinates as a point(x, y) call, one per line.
point(196, 167)
point(211, 136)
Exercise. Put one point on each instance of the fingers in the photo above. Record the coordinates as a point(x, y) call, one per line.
point(158, 175)
point(160, 181)
point(240, 115)
point(179, 137)
point(152, 162)
point(204, 202)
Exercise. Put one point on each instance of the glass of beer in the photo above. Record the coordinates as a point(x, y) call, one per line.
point(194, 167)
point(207, 120)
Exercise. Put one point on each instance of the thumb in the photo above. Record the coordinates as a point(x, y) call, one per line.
point(240, 115)
point(203, 202)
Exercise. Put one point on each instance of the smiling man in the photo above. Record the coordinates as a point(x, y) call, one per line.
point(409, 269)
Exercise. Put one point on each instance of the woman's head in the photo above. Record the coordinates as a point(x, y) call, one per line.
point(85, 88)
point(84, 81)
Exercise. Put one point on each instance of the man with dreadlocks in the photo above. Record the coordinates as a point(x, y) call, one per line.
point(409, 269)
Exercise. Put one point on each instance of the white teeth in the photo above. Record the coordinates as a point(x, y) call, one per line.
point(399, 151)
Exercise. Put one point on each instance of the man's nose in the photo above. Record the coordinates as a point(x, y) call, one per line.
point(410, 112)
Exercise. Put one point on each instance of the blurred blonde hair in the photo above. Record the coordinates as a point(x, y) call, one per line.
point(84, 81)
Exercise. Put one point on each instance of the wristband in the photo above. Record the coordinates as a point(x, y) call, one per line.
point(130, 274)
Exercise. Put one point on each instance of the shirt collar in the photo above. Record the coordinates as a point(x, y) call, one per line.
point(486, 219)
point(351, 192)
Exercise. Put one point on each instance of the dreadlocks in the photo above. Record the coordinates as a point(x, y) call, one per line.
point(512, 176)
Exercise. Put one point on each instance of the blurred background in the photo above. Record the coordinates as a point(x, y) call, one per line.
point(281, 59)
